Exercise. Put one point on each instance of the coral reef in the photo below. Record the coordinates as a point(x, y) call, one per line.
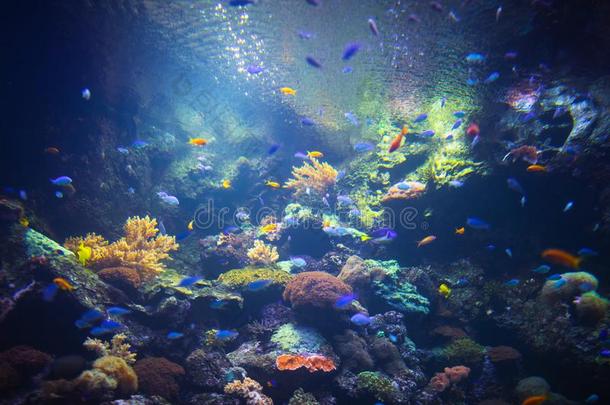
point(262, 254)
point(300, 397)
point(249, 390)
point(141, 248)
point(315, 289)
point(316, 177)
point(117, 347)
point(297, 339)
point(377, 385)
point(312, 363)
point(451, 375)
point(591, 308)
point(125, 278)
point(408, 191)
point(207, 369)
point(116, 368)
point(159, 376)
point(465, 351)
point(240, 278)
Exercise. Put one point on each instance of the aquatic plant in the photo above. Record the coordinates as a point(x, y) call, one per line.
point(249, 390)
point(313, 362)
point(262, 253)
point(159, 376)
point(315, 289)
point(240, 278)
point(464, 351)
point(316, 177)
point(116, 347)
point(376, 385)
point(141, 248)
point(297, 339)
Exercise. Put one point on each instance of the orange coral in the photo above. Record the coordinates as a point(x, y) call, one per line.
point(315, 289)
point(316, 177)
point(413, 189)
point(451, 375)
point(312, 363)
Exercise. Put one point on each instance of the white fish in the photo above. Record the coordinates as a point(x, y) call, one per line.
point(568, 206)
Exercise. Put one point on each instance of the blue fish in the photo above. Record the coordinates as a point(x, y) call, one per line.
point(475, 58)
point(605, 353)
point(314, 2)
point(383, 236)
point(298, 261)
point(351, 117)
point(258, 284)
point(61, 181)
point(85, 93)
point(224, 334)
point(188, 281)
point(138, 144)
point(59, 194)
point(511, 55)
point(603, 335)
point(99, 331)
point(512, 283)
point(403, 185)
point(393, 338)
point(254, 69)
point(117, 311)
point(80, 324)
point(273, 148)
point(92, 316)
point(350, 50)
point(459, 114)
point(344, 200)
point(308, 122)
point(49, 292)
point(477, 223)
point(591, 399)
point(490, 247)
point(305, 35)
point(514, 185)
point(492, 77)
point(313, 62)
point(554, 277)
point(301, 155)
point(362, 147)
point(462, 282)
point(110, 325)
point(347, 69)
point(217, 304)
point(585, 287)
point(122, 150)
point(568, 206)
point(426, 134)
point(456, 183)
point(373, 26)
point(174, 335)
point(587, 252)
point(542, 269)
point(230, 229)
point(23, 195)
point(509, 252)
point(420, 118)
point(360, 319)
point(457, 124)
point(241, 3)
point(345, 301)
point(560, 283)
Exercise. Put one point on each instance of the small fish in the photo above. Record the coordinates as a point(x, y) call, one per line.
point(426, 134)
point(49, 292)
point(420, 118)
point(63, 284)
point(403, 185)
point(86, 94)
point(241, 3)
point(117, 311)
point(109, 325)
point(352, 118)
point(190, 225)
point(226, 184)
point(492, 77)
point(273, 148)
point(197, 141)
point(269, 228)
point(444, 290)
point(360, 319)
point(397, 140)
point(122, 150)
point(436, 6)
point(314, 154)
point(561, 257)
point(456, 124)
point(456, 183)
point(362, 147)
point(605, 353)
point(92, 316)
point(23, 195)
point(460, 231)
point(272, 184)
point(414, 18)
point(168, 199)
point(475, 58)
point(426, 241)
point(308, 122)
point(224, 334)
point(80, 324)
point(230, 229)
point(453, 17)
point(174, 335)
point(99, 331)
point(254, 69)
point(443, 101)
point(373, 26)
point(535, 169)
point(139, 144)
point(51, 150)
point(459, 114)
point(498, 13)
point(473, 129)
point(514, 185)
point(345, 301)
point(258, 284)
point(383, 236)
point(587, 252)
point(591, 399)
point(347, 69)
point(350, 50)
point(301, 155)
point(490, 247)
point(560, 283)
point(288, 91)
point(523, 201)
point(511, 55)
point(554, 277)
point(84, 253)
point(542, 269)
point(24, 221)
point(512, 282)
point(305, 35)
point(313, 62)
point(393, 338)
point(477, 223)
point(61, 181)
point(189, 281)
point(568, 206)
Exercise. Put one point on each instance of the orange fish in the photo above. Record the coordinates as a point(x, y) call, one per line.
point(398, 140)
point(426, 241)
point(197, 141)
point(473, 129)
point(460, 231)
point(535, 400)
point(63, 284)
point(562, 258)
point(51, 150)
point(536, 168)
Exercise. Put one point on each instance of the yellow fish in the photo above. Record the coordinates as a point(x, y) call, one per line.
point(444, 290)
point(24, 221)
point(272, 184)
point(198, 141)
point(288, 91)
point(269, 228)
point(226, 184)
point(460, 231)
point(84, 253)
point(315, 154)
point(190, 225)
point(364, 238)
point(63, 284)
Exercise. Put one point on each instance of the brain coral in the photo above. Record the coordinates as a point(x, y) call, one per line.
point(315, 289)
point(158, 376)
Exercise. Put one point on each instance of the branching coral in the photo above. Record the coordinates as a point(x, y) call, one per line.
point(250, 390)
point(316, 177)
point(141, 248)
point(312, 363)
point(262, 253)
point(117, 347)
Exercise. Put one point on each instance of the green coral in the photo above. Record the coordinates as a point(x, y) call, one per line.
point(377, 385)
point(240, 278)
point(298, 212)
point(463, 351)
point(397, 293)
point(300, 397)
point(297, 339)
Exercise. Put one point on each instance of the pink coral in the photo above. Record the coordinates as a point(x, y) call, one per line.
point(451, 375)
point(413, 189)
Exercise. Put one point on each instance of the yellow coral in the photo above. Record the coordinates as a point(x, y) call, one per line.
point(316, 177)
point(117, 347)
point(250, 390)
point(141, 248)
point(119, 370)
point(262, 253)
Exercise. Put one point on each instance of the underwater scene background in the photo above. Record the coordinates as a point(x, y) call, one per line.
point(305, 202)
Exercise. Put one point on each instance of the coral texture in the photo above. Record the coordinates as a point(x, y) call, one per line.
point(451, 375)
point(159, 376)
point(315, 288)
point(124, 278)
point(412, 189)
point(312, 363)
point(262, 253)
point(240, 278)
point(316, 177)
point(117, 347)
point(249, 390)
point(118, 369)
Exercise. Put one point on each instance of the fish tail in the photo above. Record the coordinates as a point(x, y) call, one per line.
point(577, 262)
point(364, 238)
